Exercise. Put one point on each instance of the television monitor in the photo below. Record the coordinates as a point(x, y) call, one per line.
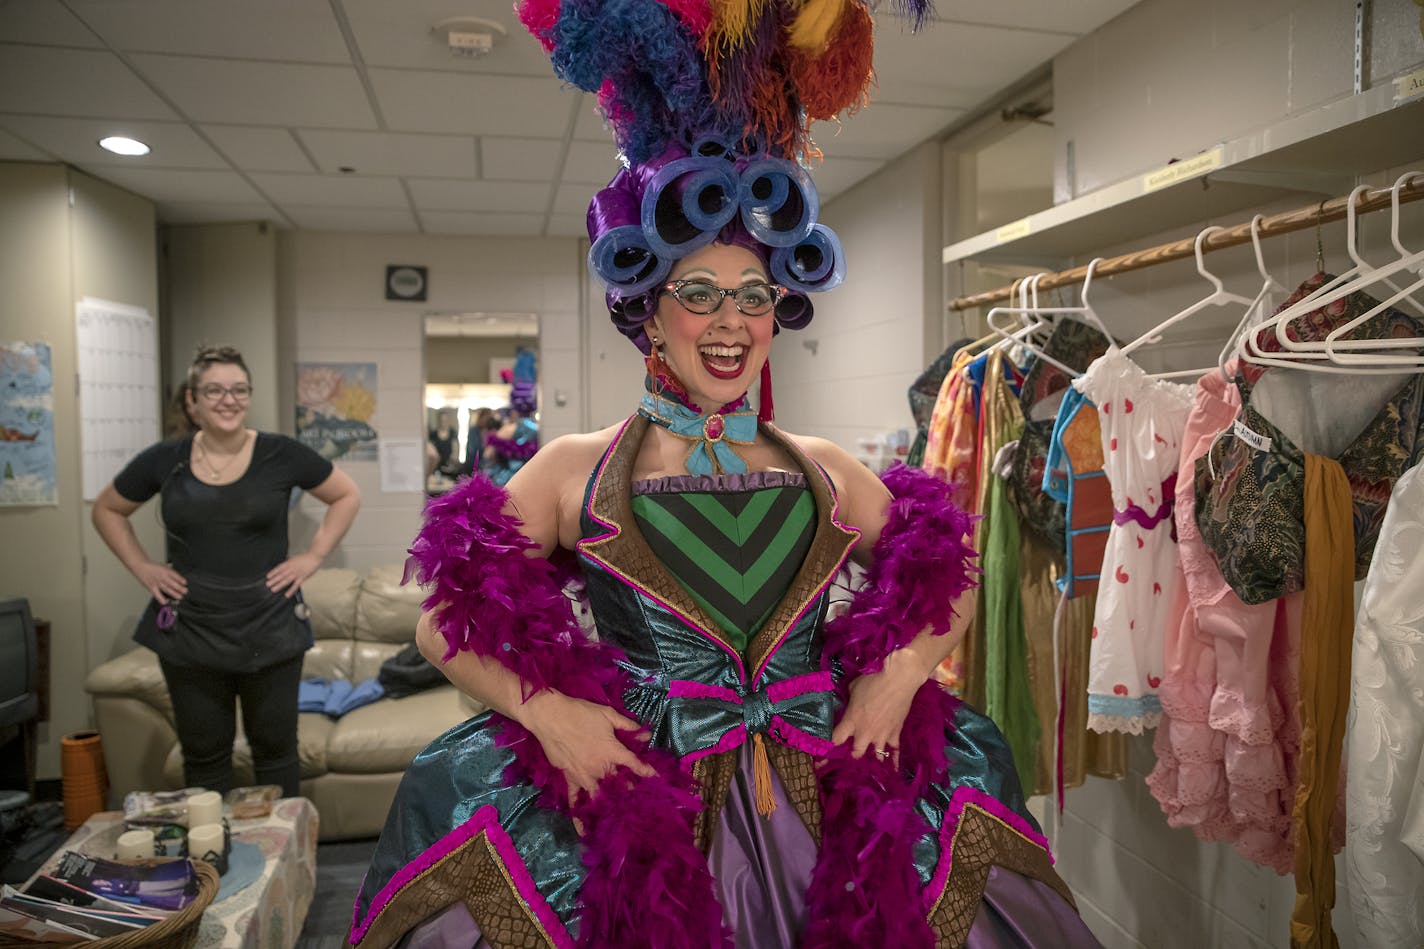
point(19, 662)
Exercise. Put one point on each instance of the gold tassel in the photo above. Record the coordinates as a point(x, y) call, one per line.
point(811, 30)
point(761, 772)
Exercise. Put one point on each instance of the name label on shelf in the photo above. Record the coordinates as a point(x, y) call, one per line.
point(1182, 170)
point(1253, 438)
point(1012, 232)
point(1409, 87)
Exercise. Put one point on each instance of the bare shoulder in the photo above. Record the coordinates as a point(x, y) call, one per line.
point(845, 471)
point(862, 499)
point(547, 492)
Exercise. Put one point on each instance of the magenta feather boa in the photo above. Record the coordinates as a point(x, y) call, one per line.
point(646, 884)
point(495, 600)
point(864, 891)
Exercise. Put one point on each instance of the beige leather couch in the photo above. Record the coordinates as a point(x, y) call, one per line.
point(350, 765)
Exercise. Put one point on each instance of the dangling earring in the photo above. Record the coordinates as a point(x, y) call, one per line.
point(661, 379)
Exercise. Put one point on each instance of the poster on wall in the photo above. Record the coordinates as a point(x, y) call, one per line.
point(27, 468)
point(336, 402)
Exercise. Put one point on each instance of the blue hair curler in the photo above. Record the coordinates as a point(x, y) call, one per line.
point(697, 196)
point(813, 265)
point(778, 201)
point(622, 259)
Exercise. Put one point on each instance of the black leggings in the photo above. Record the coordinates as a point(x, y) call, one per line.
point(206, 719)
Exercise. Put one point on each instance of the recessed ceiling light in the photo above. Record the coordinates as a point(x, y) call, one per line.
point(120, 145)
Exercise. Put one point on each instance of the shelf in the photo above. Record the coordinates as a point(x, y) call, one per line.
point(1318, 152)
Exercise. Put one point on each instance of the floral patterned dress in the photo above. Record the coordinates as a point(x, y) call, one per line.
point(1142, 421)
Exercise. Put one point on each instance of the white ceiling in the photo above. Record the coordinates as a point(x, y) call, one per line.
point(352, 115)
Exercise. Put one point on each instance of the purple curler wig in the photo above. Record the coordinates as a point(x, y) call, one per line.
point(655, 213)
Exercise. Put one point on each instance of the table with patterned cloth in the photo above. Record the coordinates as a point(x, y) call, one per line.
point(266, 914)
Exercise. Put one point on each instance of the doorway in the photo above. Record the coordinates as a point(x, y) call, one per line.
point(466, 395)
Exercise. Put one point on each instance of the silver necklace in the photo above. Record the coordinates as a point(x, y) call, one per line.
point(213, 470)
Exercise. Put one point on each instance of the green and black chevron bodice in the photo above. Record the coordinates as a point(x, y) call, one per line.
point(734, 542)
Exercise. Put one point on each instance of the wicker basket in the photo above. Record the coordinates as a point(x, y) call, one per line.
point(178, 931)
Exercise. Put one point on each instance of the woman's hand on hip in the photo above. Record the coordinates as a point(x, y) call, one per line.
point(289, 575)
point(876, 710)
point(579, 738)
point(161, 581)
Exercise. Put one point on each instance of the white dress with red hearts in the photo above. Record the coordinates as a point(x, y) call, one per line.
point(1142, 422)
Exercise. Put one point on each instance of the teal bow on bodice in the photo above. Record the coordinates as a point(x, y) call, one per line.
point(712, 434)
point(705, 719)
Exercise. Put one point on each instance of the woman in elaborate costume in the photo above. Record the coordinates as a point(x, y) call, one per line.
point(516, 441)
point(722, 764)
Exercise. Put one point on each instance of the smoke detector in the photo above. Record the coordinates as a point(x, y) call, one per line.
point(469, 37)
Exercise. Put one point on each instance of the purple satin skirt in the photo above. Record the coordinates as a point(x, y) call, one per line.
point(762, 866)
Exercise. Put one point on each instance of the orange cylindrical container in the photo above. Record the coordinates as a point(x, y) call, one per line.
point(83, 778)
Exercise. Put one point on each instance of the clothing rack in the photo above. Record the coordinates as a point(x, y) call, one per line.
point(1298, 220)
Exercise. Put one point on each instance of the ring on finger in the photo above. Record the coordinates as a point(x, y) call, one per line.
point(882, 753)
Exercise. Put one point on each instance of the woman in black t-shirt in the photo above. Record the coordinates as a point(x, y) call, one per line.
point(226, 619)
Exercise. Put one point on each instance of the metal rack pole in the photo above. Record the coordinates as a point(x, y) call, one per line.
point(1297, 220)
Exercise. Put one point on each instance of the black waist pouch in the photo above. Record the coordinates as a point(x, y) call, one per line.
point(228, 623)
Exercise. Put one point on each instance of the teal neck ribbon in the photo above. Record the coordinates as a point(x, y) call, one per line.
point(712, 434)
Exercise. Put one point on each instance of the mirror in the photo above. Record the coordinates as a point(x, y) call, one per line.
point(468, 357)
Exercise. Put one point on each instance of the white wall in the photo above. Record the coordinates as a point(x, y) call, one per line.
point(222, 290)
point(846, 375)
point(64, 235)
point(1166, 80)
point(332, 309)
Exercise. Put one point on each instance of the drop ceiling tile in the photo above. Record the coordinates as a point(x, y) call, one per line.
point(260, 93)
point(433, 194)
point(198, 212)
point(482, 224)
point(164, 185)
point(572, 199)
point(519, 159)
point(15, 149)
point(77, 141)
point(389, 220)
point(251, 148)
point(478, 105)
point(592, 163)
point(567, 225)
point(51, 81)
point(881, 131)
point(386, 153)
point(590, 126)
point(401, 35)
point(1077, 18)
point(44, 22)
point(336, 191)
point(293, 30)
point(956, 65)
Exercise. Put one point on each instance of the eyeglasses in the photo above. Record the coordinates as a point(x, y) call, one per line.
point(704, 299)
point(214, 393)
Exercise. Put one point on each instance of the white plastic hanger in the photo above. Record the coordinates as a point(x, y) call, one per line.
point(1256, 310)
point(1353, 280)
point(1219, 296)
point(1347, 351)
point(1034, 321)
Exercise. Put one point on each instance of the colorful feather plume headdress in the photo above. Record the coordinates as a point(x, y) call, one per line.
point(710, 103)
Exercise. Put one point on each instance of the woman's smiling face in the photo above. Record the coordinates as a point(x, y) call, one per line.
point(716, 355)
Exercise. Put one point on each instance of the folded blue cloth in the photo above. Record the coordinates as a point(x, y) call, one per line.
point(336, 698)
